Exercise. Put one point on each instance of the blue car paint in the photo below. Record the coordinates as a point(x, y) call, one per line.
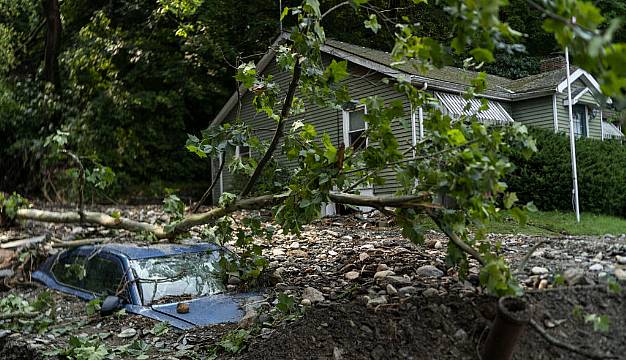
point(213, 309)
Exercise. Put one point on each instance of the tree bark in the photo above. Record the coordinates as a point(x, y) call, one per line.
point(213, 183)
point(52, 14)
point(280, 128)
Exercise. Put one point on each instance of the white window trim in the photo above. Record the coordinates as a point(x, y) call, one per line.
point(587, 121)
point(601, 126)
point(417, 126)
point(346, 124)
point(238, 149)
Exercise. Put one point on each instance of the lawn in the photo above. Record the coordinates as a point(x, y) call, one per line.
point(551, 223)
point(556, 222)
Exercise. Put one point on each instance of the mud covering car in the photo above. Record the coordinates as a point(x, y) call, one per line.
point(178, 284)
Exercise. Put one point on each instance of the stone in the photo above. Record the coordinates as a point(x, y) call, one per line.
point(574, 276)
point(391, 290)
point(383, 274)
point(538, 270)
point(543, 284)
point(380, 300)
point(233, 280)
point(408, 290)
point(363, 256)
point(297, 253)
point(596, 267)
point(429, 271)
point(332, 253)
point(294, 245)
point(621, 259)
point(278, 252)
point(438, 245)
point(460, 335)
point(248, 319)
point(382, 267)
point(337, 353)
point(352, 275)
point(127, 333)
point(398, 280)
point(430, 292)
point(182, 308)
point(305, 302)
point(620, 274)
point(312, 294)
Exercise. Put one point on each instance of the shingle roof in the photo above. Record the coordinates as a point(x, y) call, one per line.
point(459, 79)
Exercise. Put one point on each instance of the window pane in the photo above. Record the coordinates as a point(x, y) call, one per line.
point(357, 141)
point(69, 270)
point(103, 276)
point(356, 120)
point(244, 151)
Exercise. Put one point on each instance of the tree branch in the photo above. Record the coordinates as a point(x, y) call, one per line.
point(210, 189)
point(436, 216)
point(81, 182)
point(280, 128)
point(563, 345)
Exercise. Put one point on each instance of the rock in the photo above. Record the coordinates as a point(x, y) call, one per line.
point(543, 284)
point(233, 280)
point(182, 308)
point(231, 287)
point(621, 259)
point(383, 274)
point(538, 270)
point(429, 271)
point(127, 333)
point(363, 256)
point(312, 295)
point(352, 275)
point(248, 319)
point(391, 290)
point(294, 245)
point(337, 353)
point(620, 274)
point(398, 280)
point(430, 292)
point(382, 267)
point(4, 333)
point(278, 252)
point(380, 300)
point(305, 302)
point(596, 267)
point(408, 290)
point(438, 245)
point(297, 253)
point(332, 253)
point(574, 276)
point(460, 335)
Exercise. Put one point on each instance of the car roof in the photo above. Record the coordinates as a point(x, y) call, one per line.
point(137, 251)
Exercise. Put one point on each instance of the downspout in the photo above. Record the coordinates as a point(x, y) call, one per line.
point(555, 114)
point(421, 119)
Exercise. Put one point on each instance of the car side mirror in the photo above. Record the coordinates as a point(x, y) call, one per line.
point(110, 305)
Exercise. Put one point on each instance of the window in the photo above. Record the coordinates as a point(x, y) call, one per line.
point(103, 276)
point(354, 126)
point(242, 151)
point(70, 270)
point(579, 115)
point(97, 275)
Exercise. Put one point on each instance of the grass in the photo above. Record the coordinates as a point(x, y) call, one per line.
point(556, 222)
point(552, 223)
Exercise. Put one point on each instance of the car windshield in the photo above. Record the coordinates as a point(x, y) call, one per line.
point(184, 276)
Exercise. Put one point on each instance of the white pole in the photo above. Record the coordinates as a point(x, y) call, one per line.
point(572, 137)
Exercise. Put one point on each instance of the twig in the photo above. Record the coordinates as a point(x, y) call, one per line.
point(19, 315)
point(74, 243)
point(522, 264)
point(210, 189)
point(563, 345)
point(334, 8)
point(81, 182)
point(455, 238)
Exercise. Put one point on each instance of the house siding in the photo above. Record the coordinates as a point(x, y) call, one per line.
point(594, 125)
point(535, 112)
point(361, 83)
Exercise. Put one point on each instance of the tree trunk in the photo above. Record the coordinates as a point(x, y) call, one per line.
point(52, 14)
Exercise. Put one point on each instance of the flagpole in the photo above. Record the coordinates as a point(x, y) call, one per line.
point(572, 137)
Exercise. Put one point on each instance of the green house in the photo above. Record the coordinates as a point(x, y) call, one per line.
point(538, 100)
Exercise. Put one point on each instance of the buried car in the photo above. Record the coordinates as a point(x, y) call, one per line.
point(179, 284)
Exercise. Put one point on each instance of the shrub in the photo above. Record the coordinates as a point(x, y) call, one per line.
point(546, 178)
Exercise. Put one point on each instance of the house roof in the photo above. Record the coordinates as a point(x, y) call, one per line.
point(447, 79)
point(610, 131)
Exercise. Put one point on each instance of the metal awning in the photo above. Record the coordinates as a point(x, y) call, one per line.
point(456, 106)
point(610, 131)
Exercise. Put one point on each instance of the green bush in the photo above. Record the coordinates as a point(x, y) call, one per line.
point(546, 178)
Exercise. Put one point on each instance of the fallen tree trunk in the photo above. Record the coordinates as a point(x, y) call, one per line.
point(191, 220)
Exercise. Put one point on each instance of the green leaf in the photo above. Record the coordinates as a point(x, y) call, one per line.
point(313, 6)
point(284, 13)
point(456, 137)
point(331, 151)
point(372, 23)
point(510, 199)
point(482, 55)
point(336, 71)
